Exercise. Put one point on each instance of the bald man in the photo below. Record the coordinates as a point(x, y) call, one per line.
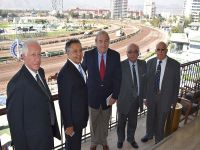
point(163, 80)
point(131, 95)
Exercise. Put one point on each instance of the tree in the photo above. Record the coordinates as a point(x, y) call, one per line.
point(177, 29)
point(155, 22)
point(187, 21)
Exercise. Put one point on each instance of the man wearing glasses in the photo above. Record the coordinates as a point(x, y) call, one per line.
point(163, 79)
point(131, 95)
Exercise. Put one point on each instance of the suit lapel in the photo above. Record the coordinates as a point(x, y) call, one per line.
point(75, 71)
point(107, 62)
point(166, 72)
point(45, 83)
point(139, 71)
point(31, 79)
point(96, 64)
point(154, 66)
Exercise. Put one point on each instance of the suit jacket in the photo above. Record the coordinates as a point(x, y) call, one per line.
point(170, 83)
point(28, 112)
point(99, 90)
point(128, 91)
point(73, 99)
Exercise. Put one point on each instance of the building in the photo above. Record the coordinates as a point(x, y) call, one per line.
point(192, 9)
point(119, 9)
point(135, 14)
point(149, 8)
point(83, 13)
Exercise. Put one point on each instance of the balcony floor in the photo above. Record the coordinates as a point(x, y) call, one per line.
point(167, 144)
point(112, 138)
point(179, 140)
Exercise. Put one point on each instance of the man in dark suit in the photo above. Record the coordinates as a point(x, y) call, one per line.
point(163, 79)
point(104, 78)
point(131, 95)
point(30, 109)
point(73, 99)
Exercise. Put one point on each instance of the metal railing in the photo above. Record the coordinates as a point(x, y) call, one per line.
point(190, 74)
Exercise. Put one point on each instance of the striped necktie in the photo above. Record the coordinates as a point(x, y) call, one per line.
point(135, 78)
point(157, 77)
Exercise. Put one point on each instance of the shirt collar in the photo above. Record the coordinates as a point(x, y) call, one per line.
point(104, 54)
point(32, 72)
point(131, 63)
point(76, 65)
point(163, 61)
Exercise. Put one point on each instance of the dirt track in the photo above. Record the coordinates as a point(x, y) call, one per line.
point(146, 39)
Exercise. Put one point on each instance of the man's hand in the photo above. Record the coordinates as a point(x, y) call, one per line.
point(112, 101)
point(70, 131)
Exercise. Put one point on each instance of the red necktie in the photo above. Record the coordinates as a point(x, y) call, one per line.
point(102, 68)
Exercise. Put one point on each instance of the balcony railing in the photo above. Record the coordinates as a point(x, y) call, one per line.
point(190, 76)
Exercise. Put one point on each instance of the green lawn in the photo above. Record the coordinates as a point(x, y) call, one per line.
point(4, 24)
point(58, 33)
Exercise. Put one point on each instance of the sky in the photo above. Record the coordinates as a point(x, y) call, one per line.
point(92, 4)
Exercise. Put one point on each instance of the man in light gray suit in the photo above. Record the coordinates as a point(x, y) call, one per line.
point(131, 95)
point(163, 79)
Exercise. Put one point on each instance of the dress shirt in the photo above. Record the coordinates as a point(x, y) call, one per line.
point(34, 74)
point(77, 67)
point(104, 58)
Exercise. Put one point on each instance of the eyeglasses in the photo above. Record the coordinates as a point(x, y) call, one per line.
point(160, 50)
point(132, 52)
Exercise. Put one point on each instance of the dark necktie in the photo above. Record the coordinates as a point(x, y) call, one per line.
point(102, 68)
point(135, 78)
point(157, 77)
point(44, 89)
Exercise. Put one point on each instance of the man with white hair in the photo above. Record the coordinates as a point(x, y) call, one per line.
point(163, 80)
point(30, 109)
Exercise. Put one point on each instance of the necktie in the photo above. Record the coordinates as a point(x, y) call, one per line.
point(134, 78)
point(52, 116)
point(80, 70)
point(102, 68)
point(157, 77)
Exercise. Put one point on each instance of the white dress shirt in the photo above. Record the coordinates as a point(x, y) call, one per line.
point(34, 74)
point(77, 67)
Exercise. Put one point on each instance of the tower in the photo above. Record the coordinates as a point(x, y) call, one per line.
point(119, 9)
point(149, 8)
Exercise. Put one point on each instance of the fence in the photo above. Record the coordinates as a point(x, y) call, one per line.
point(190, 74)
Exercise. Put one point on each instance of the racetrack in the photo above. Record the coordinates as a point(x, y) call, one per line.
point(146, 38)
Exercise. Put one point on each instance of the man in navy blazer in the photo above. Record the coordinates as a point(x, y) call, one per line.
point(30, 109)
point(104, 79)
point(73, 99)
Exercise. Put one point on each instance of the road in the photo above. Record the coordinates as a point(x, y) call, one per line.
point(147, 38)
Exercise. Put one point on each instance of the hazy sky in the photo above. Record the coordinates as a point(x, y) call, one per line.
point(94, 4)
